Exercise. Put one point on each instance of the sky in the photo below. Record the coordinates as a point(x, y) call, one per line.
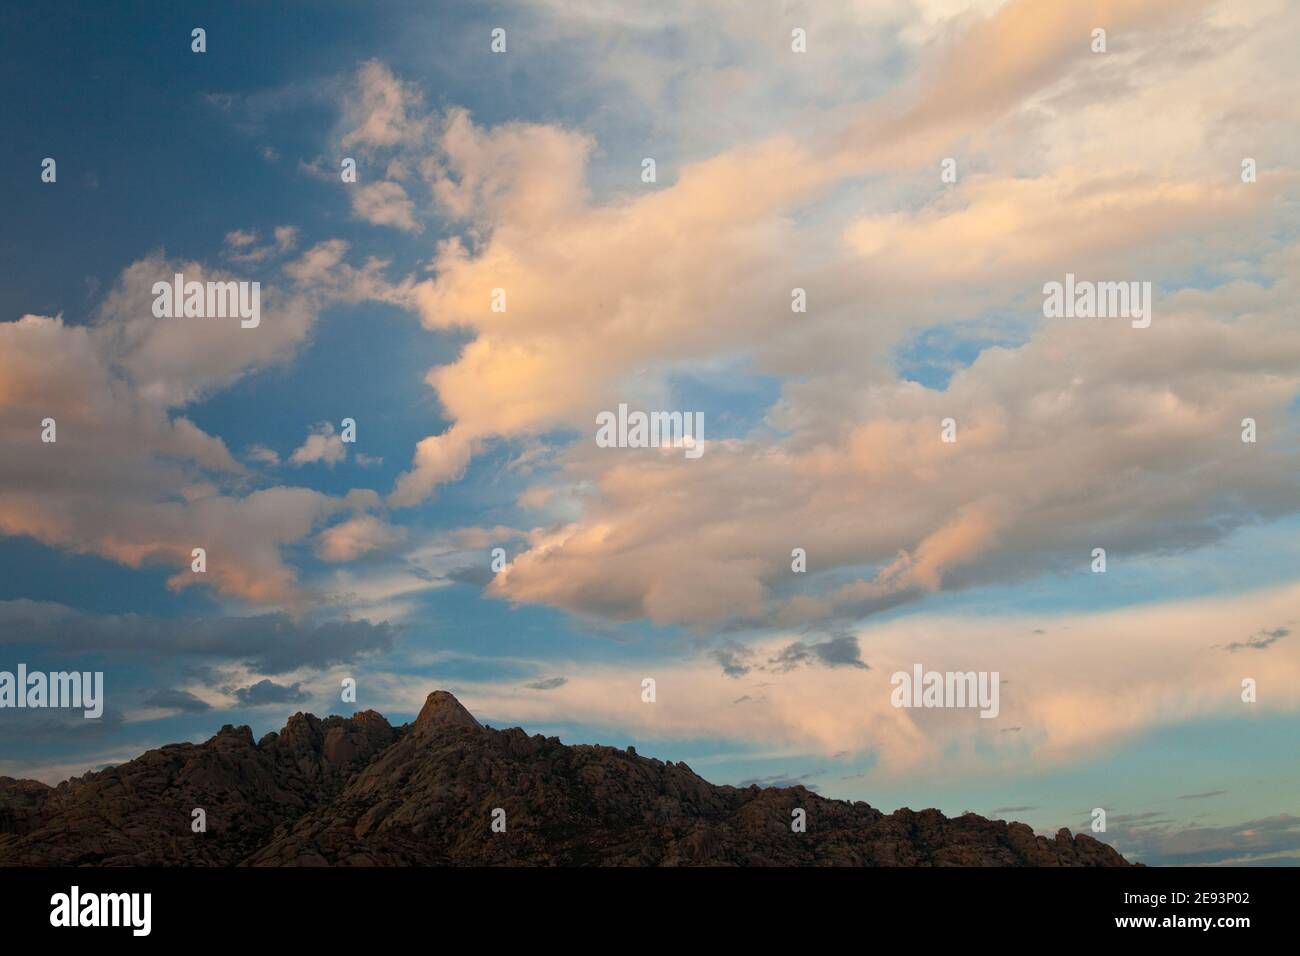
point(504, 269)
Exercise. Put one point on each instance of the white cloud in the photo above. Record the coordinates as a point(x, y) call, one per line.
point(322, 446)
point(385, 204)
point(355, 537)
point(1077, 685)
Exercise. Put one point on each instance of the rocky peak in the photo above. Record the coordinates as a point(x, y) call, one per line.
point(357, 791)
point(230, 735)
point(442, 711)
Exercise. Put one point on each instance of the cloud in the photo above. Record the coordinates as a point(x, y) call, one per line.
point(610, 296)
point(262, 455)
point(240, 244)
point(131, 479)
point(323, 270)
point(600, 291)
point(1000, 228)
point(1269, 841)
point(175, 699)
point(270, 643)
point(266, 692)
point(1260, 640)
point(47, 729)
point(240, 239)
point(126, 480)
point(387, 585)
point(473, 574)
point(734, 658)
point(549, 683)
point(385, 204)
point(438, 459)
point(1105, 679)
point(1029, 484)
point(782, 780)
point(838, 652)
point(383, 112)
point(355, 537)
point(176, 361)
point(999, 60)
point(321, 446)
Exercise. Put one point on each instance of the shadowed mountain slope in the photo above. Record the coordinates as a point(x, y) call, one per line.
point(357, 791)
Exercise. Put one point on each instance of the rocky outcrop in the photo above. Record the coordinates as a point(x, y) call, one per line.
point(140, 813)
point(359, 792)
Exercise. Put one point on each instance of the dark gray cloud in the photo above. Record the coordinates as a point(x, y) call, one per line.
point(30, 732)
point(550, 683)
point(473, 574)
point(781, 780)
point(733, 658)
point(271, 643)
point(737, 660)
point(1258, 641)
point(840, 652)
point(1203, 796)
point(176, 700)
point(837, 652)
point(269, 692)
point(791, 656)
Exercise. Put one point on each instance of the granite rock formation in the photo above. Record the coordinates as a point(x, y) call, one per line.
point(359, 792)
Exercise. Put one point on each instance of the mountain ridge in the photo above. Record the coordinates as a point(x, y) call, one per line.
point(357, 791)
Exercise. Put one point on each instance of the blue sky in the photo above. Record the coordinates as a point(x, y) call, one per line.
point(522, 170)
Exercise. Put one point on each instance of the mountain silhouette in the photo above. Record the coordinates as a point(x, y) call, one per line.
point(446, 790)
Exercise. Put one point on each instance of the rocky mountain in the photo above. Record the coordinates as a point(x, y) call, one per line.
point(359, 792)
